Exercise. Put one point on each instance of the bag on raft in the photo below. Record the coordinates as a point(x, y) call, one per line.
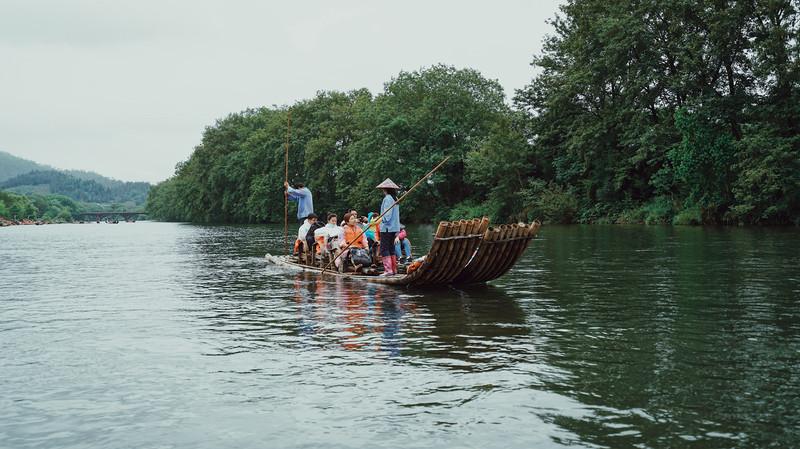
point(360, 256)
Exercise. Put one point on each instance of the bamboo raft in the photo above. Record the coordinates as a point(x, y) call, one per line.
point(463, 252)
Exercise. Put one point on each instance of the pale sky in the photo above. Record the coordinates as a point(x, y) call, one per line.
point(125, 88)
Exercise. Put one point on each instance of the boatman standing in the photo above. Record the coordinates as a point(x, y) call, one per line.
point(390, 226)
point(301, 194)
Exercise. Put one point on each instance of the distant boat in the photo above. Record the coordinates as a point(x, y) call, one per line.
point(463, 252)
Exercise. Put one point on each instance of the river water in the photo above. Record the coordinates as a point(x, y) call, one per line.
point(158, 335)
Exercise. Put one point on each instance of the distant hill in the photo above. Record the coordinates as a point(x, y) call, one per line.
point(25, 177)
point(90, 191)
point(11, 166)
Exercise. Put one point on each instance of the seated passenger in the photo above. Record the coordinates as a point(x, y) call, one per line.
point(344, 221)
point(300, 245)
point(355, 238)
point(328, 237)
point(402, 245)
point(310, 242)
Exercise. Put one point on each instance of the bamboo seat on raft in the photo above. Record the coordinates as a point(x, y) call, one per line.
point(463, 252)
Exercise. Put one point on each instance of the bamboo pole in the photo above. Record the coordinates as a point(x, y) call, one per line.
point(478, 253)
point(399, 200)
point(478, 228)
point(500, 232)
point(436, 252)
point(517, 247)
point(456, 262)
point(443, 254)
point(507, 250)
point(286, 182)
point(430, 258)
point(484, 253)
point(507, 256)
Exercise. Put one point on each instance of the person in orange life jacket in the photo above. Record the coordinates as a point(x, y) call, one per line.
point(402, 245)
point(353, 236)
point(390, 226)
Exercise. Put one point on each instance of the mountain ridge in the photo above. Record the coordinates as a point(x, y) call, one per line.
point(12, 166)
point(45, 182)
point(27, 177)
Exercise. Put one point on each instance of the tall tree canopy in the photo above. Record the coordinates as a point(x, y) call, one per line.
point(641, 111)
point(342, 145)
point(647, 109)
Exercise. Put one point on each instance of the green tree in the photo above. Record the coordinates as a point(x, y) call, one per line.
point(420, 118)
point(645, 104)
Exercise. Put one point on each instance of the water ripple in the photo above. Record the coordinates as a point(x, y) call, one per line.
point(164, 335)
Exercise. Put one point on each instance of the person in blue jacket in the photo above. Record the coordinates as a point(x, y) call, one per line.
point(301, 194)
point(390, 226)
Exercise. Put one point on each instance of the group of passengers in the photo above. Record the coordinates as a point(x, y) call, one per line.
point(358, 243)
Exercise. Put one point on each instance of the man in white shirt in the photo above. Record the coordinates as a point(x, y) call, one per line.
point(300, 243)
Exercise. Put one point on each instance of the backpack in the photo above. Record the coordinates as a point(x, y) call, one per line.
point(310, 233)
point(360, 256)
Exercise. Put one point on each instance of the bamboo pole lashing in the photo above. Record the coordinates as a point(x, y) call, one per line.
point(501, 233)
point(481, 256)
point(509, 254)
point(466, 250)
point(431, 260)
point(455, 251)
point(439, 253)
point(476, 260)
point(447, 253)
point(518, 247)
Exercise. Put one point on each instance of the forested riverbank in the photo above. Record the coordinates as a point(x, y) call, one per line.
point(647, 112)
point(34, 208)
point(24, 209)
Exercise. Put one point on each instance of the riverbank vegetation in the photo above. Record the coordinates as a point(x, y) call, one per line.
point(51, 208)
point(643, 112)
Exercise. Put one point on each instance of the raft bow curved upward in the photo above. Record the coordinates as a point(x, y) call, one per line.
point(463, 252)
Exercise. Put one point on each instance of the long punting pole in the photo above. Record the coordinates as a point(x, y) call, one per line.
point(286, 180)
point(387, 211)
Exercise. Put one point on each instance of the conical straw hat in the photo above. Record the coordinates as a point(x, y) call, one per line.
point(387, 184)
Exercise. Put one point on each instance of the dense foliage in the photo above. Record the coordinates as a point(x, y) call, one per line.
point(342, 145)
point(671, 110)
point(57, 208)
point(60, 183)
point(647, 111)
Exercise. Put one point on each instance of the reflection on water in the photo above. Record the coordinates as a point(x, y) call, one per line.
point(162, 335)
point(355, 316)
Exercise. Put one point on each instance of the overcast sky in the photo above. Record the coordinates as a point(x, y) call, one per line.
point(126, 88)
